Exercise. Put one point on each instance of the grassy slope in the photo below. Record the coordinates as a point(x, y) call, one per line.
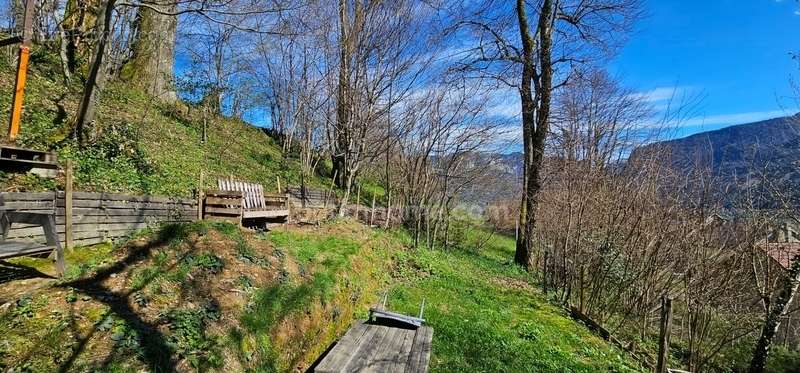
point(488, 316)
point(137, 145)
point(195, 297)
point(207, 296)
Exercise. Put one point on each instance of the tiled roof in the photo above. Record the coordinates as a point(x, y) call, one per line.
point(783, 253)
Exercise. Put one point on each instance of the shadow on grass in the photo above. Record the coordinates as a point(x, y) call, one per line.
point(155, 351)
point(11, 272)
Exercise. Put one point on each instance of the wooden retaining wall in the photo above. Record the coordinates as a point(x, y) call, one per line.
point(314, 198)
point(96, 217)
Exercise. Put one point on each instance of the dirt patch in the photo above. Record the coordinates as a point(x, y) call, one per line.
point(513, 283)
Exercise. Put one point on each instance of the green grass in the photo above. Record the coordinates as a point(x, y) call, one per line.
point(321, 286)
point(487, 315)
point(299, 290)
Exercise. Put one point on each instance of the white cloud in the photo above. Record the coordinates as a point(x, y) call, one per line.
point(734, 118)
point(504, 102)
point(662, 94)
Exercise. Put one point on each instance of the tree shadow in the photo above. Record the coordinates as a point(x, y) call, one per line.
point(156, 352)
point(11, 272)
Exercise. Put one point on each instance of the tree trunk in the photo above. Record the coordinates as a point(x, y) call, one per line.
point(535, 120)
point(773, 321)
point(95, 81)
point(78, 21)
point(151, 67)
point(343, 109)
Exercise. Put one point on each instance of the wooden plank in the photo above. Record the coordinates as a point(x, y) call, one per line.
point(264, 213)
point(27, 205)
point(27, 196)
point(230, 219)
point(337, 358)
point(404, 352)
point(222, 211)
point(420, 351)
point(129, 198)
point(223, 193)
point(392, 353)
point(81, 211)
point(88, 203)
point(260, 196)
point(106, 219)
point(369, 347)
point(223, 201)
point(13, 249)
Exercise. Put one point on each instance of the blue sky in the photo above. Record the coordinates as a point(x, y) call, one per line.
point(731, 54)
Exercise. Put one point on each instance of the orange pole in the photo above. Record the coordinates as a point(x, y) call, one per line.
point(19, 90)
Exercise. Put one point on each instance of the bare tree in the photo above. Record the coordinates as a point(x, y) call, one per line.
point(536, 55)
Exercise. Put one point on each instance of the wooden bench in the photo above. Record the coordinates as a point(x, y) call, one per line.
point(10, 249)
point(379, 348)
point(255, 203)
point(388, 342)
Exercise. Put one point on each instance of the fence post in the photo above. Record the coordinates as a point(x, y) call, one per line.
point(279, 184)
point(68, 239)
point(200, 198)
point(358, 201)
point(663, 337)
point(372, 213)
point(330, 190)
point(388, 209)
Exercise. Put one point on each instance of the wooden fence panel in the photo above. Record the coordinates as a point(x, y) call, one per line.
point(96, 217)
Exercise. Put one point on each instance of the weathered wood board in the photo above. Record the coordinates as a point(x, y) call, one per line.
point(96, 217)
point(379, 348)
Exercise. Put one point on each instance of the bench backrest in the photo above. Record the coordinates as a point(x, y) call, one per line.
point(253, 196)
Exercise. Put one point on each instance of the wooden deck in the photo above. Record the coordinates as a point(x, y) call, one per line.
point(379, 348)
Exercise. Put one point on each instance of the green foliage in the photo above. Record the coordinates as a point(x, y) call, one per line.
point(189, 339)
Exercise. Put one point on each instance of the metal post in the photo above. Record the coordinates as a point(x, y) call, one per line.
point(22, 70)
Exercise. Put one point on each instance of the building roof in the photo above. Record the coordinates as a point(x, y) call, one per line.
point(783, 252)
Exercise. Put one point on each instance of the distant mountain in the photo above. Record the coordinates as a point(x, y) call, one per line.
point(739, 154)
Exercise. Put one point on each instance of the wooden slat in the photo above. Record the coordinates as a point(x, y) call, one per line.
point(223, 201)
point(344, 350)
point(85, 211)
point(229, 219)
point(222, 211)
point(128, 198)
point(368, 348)
point(27, 196)
point(392, 353)
point(106, 219)
point(12, 249)
point(420, 350)
point(27, 205)
point(87, 203)
point(223, 193)
point(403, 352)
point(264, 213)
